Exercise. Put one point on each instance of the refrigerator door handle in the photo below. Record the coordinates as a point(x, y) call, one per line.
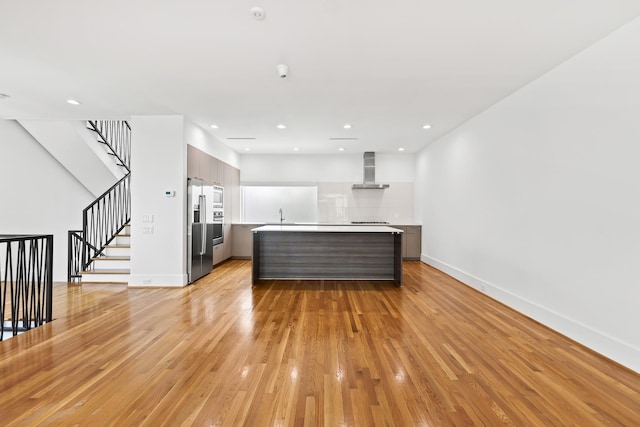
point(203, 219)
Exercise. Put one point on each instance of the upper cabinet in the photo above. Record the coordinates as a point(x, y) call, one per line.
point(193, 162)
point(220, 173)
point(205, 167)
point(213, 163)
point(232, 179)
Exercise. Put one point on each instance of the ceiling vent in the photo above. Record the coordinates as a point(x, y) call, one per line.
point(369, 173)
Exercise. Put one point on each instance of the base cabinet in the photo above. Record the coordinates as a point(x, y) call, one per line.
point(412, 244)
point(411, 241)
point(218, 254)
point(242, 240)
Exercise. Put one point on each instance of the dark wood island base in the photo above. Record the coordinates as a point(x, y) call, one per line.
point(291, 252)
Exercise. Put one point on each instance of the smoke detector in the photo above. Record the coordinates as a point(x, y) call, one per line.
point(283, 71)
point(258, 13)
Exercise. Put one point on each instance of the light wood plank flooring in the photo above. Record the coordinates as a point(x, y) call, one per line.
point(221, 352)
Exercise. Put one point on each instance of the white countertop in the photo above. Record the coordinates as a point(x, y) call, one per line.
point(324, 224)
point(329, 228)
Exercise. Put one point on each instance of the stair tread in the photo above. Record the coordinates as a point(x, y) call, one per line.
point(107, 271)
point(112, 258)
point(118, 246)
point(123, 235)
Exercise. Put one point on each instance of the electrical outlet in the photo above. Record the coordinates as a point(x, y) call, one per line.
point(146, 282)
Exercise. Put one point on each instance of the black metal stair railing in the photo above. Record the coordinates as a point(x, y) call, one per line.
point(116, 135)
point(101, 221)
point(104, 218)
point(75, 248)
point(26, 281)
point(109, 213)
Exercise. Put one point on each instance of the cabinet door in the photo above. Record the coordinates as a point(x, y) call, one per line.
point(228, 242)
point(218, 254)
point(413, 241)
point(213, 170)
point(221, 173)
point(242, 240)
point(204, 167)
point(193, 162)
point(234, 184)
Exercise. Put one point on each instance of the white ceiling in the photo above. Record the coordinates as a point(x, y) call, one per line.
point(386, 68)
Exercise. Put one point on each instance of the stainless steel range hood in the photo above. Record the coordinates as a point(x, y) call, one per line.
point(369, 173)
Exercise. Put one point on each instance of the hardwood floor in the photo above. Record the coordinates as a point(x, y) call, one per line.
point(221, 352)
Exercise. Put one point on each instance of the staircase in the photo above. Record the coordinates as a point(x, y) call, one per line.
point(112, 266)
point(100, 252)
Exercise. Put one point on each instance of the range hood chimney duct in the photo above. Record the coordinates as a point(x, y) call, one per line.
point(369, 173)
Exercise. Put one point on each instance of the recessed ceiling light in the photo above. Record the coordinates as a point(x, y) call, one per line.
point(401, 149)
point(258, 13)
point(426, 127)
point(347, 126)
point(296, 149)
point(72, 102)
point(281, 126)
point(340, 149)
point(214, 126)
point(247, 149)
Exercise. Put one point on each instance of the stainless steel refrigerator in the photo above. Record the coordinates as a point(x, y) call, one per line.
point(199, 229)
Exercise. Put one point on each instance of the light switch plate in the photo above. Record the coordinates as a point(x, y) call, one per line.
point(147, 229)
point(147, 218)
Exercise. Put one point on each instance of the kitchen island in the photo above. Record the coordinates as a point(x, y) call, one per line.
point(341, 252)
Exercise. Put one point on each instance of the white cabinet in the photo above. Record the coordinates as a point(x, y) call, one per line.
point(218, 254)
point(242, 240)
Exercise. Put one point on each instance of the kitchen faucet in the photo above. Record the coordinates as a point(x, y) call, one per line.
point(281, 217)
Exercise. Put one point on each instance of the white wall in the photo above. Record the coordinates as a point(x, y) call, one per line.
point(158, 163)
point(196, 136)
point(537, 200)
point(339, 203)
point(77, 149)
point(334, 174)
point(313, 168)
point(38, 195)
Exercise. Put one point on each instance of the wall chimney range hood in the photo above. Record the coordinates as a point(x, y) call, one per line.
point(369, 173)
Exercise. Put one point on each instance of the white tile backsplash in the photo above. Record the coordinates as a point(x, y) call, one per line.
point(338, 202)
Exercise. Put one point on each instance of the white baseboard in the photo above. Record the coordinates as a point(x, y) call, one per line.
point(157, 281)
point(611, 347)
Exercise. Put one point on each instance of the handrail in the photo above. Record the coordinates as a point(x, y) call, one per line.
point(104, 218)
point(116, 135)
point(26, 278)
